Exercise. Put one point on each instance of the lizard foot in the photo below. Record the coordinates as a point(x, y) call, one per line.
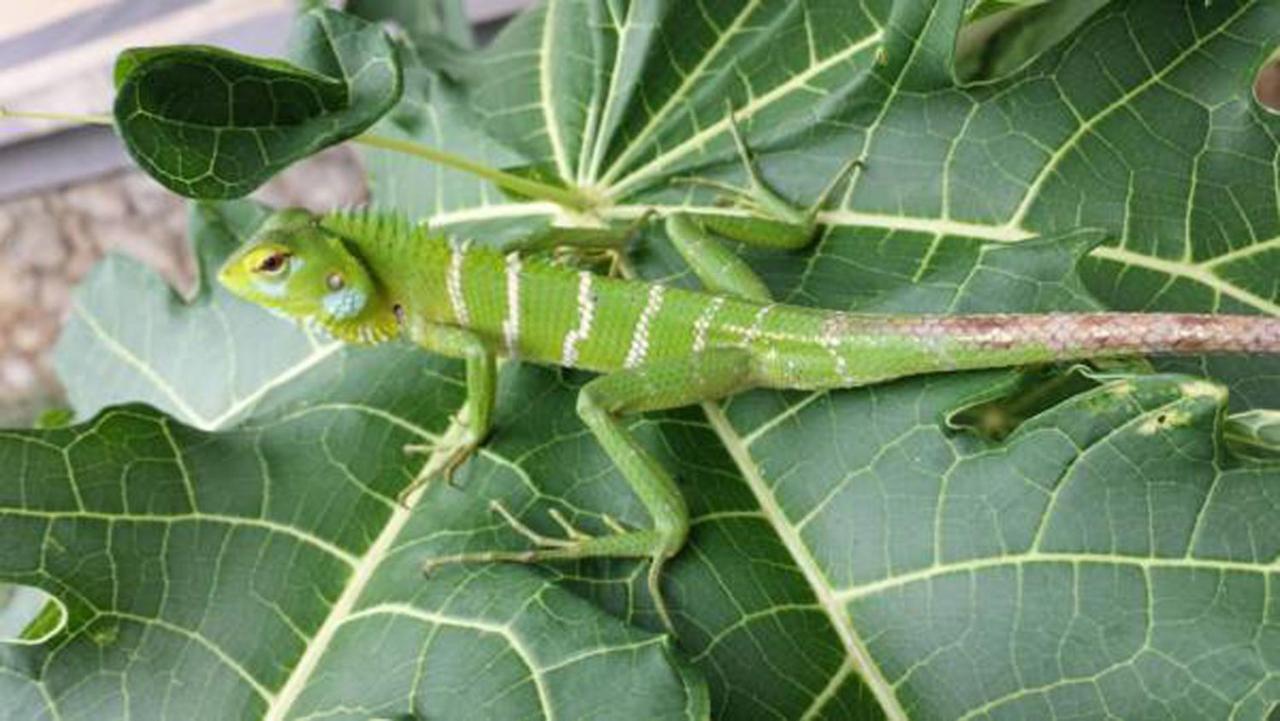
point(621, 543)
point(446, 455)
point(608, 260)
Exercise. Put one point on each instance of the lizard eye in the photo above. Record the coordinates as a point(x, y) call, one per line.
point(334, 281)
point(273, 264)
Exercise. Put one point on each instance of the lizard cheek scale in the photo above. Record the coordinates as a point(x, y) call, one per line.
point(344, 304)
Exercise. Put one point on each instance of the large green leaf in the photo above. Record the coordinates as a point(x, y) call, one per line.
point(853, 556)
point(210, 123)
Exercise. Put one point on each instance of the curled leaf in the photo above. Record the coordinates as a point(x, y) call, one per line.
point(210, 123)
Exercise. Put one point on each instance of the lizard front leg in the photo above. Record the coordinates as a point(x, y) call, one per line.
point(477, 412)
point(602, 403)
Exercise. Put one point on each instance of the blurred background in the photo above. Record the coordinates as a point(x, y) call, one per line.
point(68, 194)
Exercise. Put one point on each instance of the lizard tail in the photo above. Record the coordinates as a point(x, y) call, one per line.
point(853, 349)
point(1069, 336)
point(850, 348)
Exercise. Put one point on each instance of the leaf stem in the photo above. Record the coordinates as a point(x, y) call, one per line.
point(561, 196)
point(87, 119)
point(532, 188)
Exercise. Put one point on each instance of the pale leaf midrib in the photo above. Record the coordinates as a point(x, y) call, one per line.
point(744, 112)
point(833, 218)
point(342, 610)
point(1195, 272)
point(1200, 272)
point(122, 352)
point(1247, 251)
point(545, 92)
point(591, 168)
point(1144, 562)
point(691, 77)
point(232, 411)
point(514, 642)
point(338, 614)
point(855, 650)
point(362, 568)
point(162, 385)
point(264, 524)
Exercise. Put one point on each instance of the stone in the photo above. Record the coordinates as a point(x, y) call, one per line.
point(99, 199)
point(146, 195)
point(32, 336)
point(37, 243)
point(79, 231)
point(17, 286)
point(17, 373)
point(55, 295)
point(26, 207)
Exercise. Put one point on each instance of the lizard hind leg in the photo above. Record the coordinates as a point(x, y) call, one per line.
point(764, 200)
point(601, 404)
point(762, 217)
point(757, 197)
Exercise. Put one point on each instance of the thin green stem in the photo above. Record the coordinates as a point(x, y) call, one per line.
point(561, 196)
point(532, 188)
point(87, 119)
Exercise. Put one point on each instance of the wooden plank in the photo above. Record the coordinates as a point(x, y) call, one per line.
point(79, 80)
point(183, 25)
point(23, 16)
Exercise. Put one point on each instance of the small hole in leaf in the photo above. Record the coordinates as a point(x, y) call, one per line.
point(1161, 419)
point(1266, 86)
point(29, 615)
point(1033, 392)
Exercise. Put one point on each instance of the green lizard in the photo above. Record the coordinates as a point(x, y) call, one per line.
point(367, 278)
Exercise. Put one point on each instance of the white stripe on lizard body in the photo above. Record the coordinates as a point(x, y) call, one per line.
point(453, 283)
point(586, 306)
point(640, 335)
point(511, 326)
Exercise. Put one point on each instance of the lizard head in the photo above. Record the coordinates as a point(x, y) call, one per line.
point(296, 268)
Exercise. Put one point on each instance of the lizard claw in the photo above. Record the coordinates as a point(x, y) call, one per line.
point(453, 453)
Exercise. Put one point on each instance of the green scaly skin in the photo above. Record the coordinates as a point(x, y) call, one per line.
point(535, 311)
point(367, 279)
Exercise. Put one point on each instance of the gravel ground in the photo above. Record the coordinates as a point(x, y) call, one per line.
point(49, 242)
